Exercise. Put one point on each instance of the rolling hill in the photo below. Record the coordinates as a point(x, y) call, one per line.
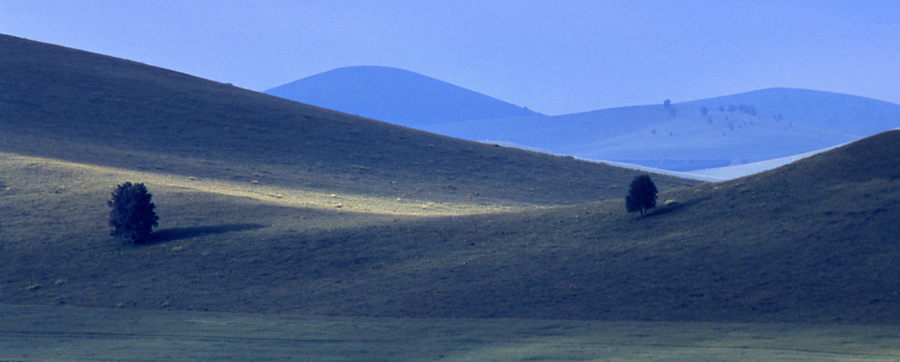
point(395, 95)
point(249, 222)
point(813, 242)
point(842, 113)
point(716, 132)
point(87, 108)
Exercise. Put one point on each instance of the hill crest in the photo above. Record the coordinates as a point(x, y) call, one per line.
point(396, 96)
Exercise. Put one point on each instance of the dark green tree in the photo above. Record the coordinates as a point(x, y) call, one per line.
point(641, 195)
point(667, 104)
point(131, 215)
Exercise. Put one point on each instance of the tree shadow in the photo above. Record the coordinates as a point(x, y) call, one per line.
point(172, 234)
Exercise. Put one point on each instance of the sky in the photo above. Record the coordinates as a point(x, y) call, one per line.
point(554, 57)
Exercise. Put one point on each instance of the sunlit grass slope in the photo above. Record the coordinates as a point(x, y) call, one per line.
point(813, 242)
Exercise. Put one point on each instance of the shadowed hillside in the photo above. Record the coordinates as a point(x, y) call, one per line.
point(813, 242)
point(76, 106)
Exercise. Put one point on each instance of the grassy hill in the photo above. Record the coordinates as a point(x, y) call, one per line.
point(812, 242)
point(81, 107)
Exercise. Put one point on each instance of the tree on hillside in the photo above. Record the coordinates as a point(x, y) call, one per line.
point(641, 195)
point(131, 215)
point(667, 104)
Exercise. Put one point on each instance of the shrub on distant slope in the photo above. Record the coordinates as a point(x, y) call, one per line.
point(641, 195)
point(132, 214)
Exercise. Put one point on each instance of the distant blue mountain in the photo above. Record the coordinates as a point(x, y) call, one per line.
point(716, 132)
point(396, 96)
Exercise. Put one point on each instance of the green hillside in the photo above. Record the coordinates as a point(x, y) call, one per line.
point(76, 106)
point(395, 222)
point(814, 242)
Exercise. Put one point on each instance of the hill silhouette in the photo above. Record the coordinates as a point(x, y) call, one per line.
point(243, 230)
point(395, 95)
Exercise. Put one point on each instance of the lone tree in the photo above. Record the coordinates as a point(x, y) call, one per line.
point(641, 195)
point(132, 214)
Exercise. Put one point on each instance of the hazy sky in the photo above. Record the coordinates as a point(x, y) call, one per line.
point(554, 57)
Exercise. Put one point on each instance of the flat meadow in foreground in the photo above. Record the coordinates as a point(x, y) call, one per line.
point(90, 334)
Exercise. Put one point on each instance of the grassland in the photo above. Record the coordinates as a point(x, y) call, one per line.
point(109, 112)
point(277, 208)
point(794, 245)
point(79, 334)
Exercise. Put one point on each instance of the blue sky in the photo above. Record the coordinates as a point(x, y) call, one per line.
point(554, 57)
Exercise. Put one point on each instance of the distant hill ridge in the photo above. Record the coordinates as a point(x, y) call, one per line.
point(716, 132)
point(729, 130)
point(842, 113)
point(395, 95)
